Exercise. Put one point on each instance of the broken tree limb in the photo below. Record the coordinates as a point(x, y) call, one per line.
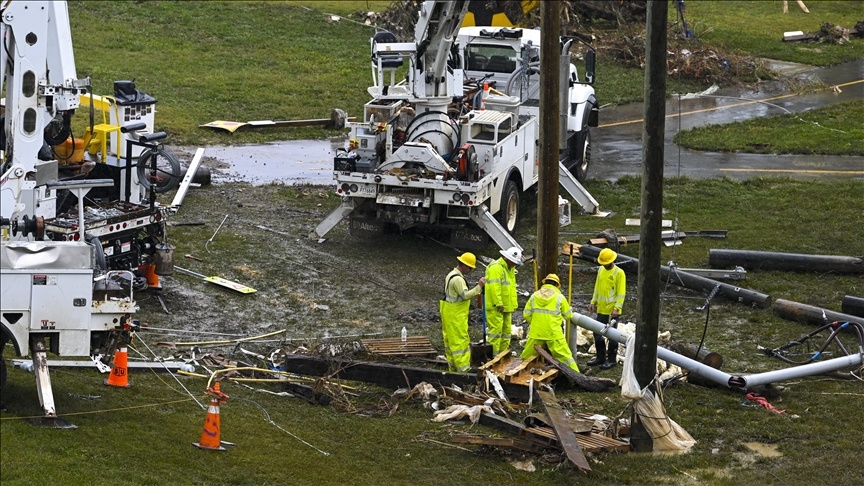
point(684, 279)
point(588, 383)
point(767, 260)
point(566, 436)
point(853, 305)
point(798, 312)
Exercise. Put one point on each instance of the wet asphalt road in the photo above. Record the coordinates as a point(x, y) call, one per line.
point(617, 142)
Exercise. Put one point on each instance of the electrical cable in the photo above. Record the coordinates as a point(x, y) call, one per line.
point(172, 374)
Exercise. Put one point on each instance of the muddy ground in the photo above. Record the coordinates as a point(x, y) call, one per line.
point(344, 287)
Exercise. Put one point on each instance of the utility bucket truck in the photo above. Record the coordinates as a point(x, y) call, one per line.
point(456, 142)
point(68, 272)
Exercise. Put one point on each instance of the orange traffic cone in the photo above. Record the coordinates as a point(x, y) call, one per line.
point(210, 435)
point(119, 372)
point(152, 278)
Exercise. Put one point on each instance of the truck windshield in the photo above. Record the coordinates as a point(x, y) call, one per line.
point(491, 58)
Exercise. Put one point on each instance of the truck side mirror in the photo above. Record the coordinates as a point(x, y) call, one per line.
point(590, 61)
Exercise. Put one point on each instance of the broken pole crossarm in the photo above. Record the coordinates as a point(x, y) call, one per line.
point(720, 377)
point(767, 260)
point(688, 280)
point(853, 305)
point(797, 312)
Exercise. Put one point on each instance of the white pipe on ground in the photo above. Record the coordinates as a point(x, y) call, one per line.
point(714, 375)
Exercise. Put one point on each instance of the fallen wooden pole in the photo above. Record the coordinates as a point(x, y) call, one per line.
point(388, 375)
point(701, 355)
point(795, 311)
point(853, 305)
point(684, 279)
point(767, 260)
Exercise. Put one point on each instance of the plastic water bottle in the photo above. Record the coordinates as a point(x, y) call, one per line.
point(404, 334)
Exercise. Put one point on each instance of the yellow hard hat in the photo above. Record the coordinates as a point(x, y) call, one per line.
point(552, 278)
point(606, 256)
point(468, 259)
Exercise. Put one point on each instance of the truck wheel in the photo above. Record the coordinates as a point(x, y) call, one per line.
point(508, 213)
point(581, 155)
point(2, 370)
point(2, 378)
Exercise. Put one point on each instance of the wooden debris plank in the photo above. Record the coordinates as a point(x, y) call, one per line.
point(516, 365)
point(548, 375)
point(566, 436)
point(525, 378)
point(516, 370)
point(512, 442)
point(586, 382)
point(600, 443)
point(513, 427)
point(545, 436)
point(494, 361)
point(413, 345)
point(590, 441)
point(622, 240)
point(579, 425)
point(566, 248)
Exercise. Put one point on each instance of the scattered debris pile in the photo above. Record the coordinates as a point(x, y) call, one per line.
point(688, 58)
point(828, 34)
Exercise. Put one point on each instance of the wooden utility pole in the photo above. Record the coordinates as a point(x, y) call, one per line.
point(650, 243)
point(550, 106)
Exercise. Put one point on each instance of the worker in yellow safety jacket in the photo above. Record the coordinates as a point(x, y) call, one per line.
point(500, 298)
point(454, 313)
point(546, 312)
point(608, 300)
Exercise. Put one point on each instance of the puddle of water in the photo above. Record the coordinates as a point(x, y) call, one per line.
point(290, 163)
point(764, 450)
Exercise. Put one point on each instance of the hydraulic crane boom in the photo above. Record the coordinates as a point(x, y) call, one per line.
point(41, 86)
point(434, 36)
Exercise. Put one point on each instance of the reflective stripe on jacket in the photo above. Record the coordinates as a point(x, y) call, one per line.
point(609, 290)
point(456, 289)
point(500, 286)
point(546, 310)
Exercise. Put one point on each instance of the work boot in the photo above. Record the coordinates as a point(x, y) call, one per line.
point(596, 361)
point(607, 365)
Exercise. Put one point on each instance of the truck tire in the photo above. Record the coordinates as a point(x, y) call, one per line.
point(2, 370)
point(508, 213)
point(580, 155)
point(168, 170)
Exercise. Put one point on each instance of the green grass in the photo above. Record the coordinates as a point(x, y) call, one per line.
point(242, 61)
point(755, 28)
point(802, 133)
point(143, 435)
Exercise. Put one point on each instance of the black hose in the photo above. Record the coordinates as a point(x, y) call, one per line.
point(101, 262)
point(165, 181)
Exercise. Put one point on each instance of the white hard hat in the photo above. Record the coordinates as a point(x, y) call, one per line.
point(514, 254)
